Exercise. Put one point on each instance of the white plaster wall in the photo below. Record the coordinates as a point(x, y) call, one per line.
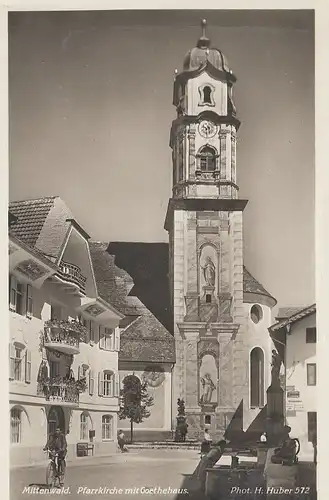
point(298, 354)
point(27, 332)
point(160, 418)
point(193, 96)
point(257, 335)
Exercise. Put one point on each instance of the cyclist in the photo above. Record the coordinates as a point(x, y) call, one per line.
point(57, 444)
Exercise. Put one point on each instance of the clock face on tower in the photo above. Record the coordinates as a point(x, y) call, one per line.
point(207, 129)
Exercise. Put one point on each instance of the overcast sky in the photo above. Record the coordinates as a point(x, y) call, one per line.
point(91, 110)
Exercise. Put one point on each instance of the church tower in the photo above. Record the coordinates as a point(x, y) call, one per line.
point(204, 222)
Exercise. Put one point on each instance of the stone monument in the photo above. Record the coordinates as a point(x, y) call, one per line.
point(275, 395)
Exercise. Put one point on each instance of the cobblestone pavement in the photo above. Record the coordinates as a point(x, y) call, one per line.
point(134, 475)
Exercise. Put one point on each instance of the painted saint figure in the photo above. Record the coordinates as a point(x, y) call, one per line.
point(209, 272)
point(208, 387)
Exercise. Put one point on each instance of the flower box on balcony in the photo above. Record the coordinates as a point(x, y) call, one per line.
point(69, 328)
point(64, 336)
point(62, 390)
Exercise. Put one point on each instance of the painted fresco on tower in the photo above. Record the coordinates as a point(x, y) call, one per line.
point(208, 380)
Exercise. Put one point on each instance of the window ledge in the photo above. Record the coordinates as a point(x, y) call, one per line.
point(110, 440)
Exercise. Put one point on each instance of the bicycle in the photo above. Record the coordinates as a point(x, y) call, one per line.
point(55, 474)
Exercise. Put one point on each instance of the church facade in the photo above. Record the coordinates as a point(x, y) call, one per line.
point(221, 314)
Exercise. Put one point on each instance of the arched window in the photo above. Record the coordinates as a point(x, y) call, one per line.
point(207, 95)
point(84, 426)
point(207, 157)
point(15, 425)
point(107, 427)
point(256, 378)
point(20, 362)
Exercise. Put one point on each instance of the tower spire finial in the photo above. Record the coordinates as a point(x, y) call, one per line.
point(203, 26)
point(203, 41)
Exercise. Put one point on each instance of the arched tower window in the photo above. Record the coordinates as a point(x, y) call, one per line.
point(256, 378)
point(207, 157)
point(207, 95)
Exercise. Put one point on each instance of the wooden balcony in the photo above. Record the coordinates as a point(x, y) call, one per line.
point(63, 336)
point(70, 273)
point(59, 391)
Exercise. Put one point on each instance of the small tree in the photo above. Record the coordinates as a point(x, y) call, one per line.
point(134, 401)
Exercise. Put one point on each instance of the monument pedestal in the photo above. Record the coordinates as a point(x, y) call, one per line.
point(275, 414)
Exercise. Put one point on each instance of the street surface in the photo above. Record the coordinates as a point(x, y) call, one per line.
point(132, 475)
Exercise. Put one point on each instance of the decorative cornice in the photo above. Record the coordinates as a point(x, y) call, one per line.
point(203, 204)
point(206, 67)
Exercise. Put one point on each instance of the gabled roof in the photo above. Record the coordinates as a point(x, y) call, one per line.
point(43, 224)
point(145, 339)
point(286, 312)
point(30, 218)
point(296, 316)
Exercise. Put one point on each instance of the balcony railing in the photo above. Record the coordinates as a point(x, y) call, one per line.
point(72, 274)
point(60, 391)
point(64, 336)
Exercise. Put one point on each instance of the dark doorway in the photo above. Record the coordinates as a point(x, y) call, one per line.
point(55, 419)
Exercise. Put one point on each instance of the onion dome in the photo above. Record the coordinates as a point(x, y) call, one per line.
point(202, 53)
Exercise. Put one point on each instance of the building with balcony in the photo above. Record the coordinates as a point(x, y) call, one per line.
point(64, 336)
point(294, 335)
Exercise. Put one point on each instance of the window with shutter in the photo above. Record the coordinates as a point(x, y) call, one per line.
point(18, 358)
point(16, 302)
point(100, 384)
point(106, 339)
point(29, 301)
point(91, 382)
point(28, 365)
point(117, 386)
point(12, 293)
point(108, 380)
point(11, 362)
point(117, 340)
point(102, 337)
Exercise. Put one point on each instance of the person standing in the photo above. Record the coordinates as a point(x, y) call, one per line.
point(122, 441)
point(209, 460)
point(206, 443)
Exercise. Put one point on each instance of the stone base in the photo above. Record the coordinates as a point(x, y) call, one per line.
point(197, 423)
point(280, 479)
